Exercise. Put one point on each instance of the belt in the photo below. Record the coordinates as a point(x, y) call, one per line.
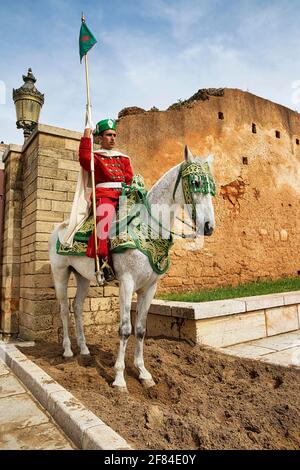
point(109, 185)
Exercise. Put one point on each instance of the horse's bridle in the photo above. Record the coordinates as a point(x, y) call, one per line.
point(196, 178)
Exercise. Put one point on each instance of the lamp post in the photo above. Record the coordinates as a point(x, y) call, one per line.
point(28, 102)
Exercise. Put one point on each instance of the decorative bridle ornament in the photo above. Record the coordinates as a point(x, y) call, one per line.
point(196, 178)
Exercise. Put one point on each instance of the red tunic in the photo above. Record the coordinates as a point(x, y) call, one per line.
point(107, 169)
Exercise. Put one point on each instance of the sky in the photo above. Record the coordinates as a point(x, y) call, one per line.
point(149, 53)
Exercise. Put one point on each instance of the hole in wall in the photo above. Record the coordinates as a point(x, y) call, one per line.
point(277, 134)
point(253, 128)
point(245, 161)
point(221, 115)
point(297, 141)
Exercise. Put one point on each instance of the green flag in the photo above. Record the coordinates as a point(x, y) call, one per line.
point(86, 40)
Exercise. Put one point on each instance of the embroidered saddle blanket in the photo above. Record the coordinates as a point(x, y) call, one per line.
point(128, 231)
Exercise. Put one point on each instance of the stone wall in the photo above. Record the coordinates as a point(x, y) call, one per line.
point(258, 178)
point(222, 323)
point(3, 148)
point(41, 180)
point(11, 250)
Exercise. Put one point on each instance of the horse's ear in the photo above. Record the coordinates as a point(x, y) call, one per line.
point(188, 156)
point(210, 160)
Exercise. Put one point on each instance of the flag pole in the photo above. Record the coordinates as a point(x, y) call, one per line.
point(99, 274)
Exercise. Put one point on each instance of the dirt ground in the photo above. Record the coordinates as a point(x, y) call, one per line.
point(202, 400)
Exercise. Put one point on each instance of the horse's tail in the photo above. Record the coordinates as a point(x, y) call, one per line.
point(52, 242)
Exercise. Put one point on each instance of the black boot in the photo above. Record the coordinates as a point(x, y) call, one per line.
point(109, 274)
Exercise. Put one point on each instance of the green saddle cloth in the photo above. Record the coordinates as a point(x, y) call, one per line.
point(128, 231)
point(80, 241)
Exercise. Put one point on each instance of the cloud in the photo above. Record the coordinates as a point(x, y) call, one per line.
point(148, 53)
point(183, 16)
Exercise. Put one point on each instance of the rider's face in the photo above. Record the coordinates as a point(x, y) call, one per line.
point(108, 139)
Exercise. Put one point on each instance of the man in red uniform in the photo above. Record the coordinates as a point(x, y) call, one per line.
point(112, 168)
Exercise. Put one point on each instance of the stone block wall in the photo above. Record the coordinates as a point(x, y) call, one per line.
point(44, 175)
point(222, 323)
point(11, 249)
point(3, 148)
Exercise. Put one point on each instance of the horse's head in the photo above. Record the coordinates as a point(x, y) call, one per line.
point(198, 188)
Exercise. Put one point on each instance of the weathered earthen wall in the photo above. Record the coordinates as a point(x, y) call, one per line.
point(258, 178)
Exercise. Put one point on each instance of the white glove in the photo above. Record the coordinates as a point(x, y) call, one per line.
point(88, 121)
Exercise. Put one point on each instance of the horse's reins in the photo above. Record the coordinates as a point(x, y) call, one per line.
point(184, 166)
point(148, 207)
point(201, 182)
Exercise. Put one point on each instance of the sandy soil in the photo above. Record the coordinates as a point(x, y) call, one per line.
point(202, 400)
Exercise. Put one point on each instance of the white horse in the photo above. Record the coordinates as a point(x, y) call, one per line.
point(133, 271)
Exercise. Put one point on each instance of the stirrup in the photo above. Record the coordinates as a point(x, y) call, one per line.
point(108, 272)
point(104, 264)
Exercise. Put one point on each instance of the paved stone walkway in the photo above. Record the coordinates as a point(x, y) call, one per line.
point(23, 423)
point(283, 349)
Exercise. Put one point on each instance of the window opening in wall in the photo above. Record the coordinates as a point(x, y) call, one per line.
point(297, 141)
point(277, 133)
point(253, 128)
point(221, 115)
point(298, 272)
point(245, 161)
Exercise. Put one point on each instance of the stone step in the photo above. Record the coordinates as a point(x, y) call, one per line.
point(227, 322)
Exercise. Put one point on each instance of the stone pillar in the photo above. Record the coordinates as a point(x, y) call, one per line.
point(50, 169)
point(3, 148)
point(11, 249)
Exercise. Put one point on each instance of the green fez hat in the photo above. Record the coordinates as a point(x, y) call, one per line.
point(105, 125)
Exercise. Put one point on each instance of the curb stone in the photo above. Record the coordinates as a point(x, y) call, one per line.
point(82, 426)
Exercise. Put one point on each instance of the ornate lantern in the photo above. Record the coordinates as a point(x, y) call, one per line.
point(28, 102)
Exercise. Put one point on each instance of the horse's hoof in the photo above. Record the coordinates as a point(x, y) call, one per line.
point(85, 360)
point(120, 389)
point(148, 383)
point(68, 357)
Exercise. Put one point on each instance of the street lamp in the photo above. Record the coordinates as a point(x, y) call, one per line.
point(28, 102)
